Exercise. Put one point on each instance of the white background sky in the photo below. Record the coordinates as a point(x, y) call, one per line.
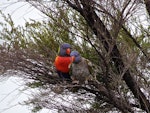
point(20, 11)
point(10, 94)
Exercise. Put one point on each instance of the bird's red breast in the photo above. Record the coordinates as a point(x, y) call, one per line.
point(62, 63)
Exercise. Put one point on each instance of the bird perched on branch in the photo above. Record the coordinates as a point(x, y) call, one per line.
point(80, 72)
point(63, 60)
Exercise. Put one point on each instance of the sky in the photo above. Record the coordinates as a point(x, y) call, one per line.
point(10, 96)
point(11, 93)
point(20, 11)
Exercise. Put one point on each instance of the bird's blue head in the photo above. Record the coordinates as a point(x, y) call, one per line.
point(64, 49)
point(76, 55)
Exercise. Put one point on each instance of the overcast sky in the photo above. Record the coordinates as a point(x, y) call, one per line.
point(20, 11)
point(10, 94)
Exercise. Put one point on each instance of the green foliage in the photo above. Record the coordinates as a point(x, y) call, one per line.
point(42, 38)
point(34, 84)
point(36, 109)
point(143, 38)
point(137, 43)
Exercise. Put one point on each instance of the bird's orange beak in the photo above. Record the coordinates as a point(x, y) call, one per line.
point(73, 58)
point(68, 51)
